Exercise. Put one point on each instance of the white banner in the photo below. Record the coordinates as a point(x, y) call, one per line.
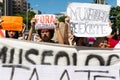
point(118, 2)
point(44, 21)
point(42, 72)
point(89, 20)
point(25, 52)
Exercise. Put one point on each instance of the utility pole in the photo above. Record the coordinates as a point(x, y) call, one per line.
point(27, 16)
point(5, 7)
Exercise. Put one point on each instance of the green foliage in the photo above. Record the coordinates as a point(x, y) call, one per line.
point(30, 14)
point(62, 18)
point(115, 11)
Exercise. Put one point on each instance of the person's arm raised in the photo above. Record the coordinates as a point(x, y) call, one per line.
point(1, 23)
point(31, 29)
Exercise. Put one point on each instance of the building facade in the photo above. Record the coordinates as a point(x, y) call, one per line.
point(1, 7)
point(12, 7)
point(19, 6)
point(100, 1)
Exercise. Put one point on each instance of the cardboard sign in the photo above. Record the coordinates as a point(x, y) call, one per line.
point(118, 2)
point(44, 21)
point(89, 20)
point(12, 23)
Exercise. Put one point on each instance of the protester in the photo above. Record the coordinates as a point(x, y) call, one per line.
point(91, 40)
point(101, 42)
point(67, 32)
point(22, 35)
point(71, 40)
point(82, 41)
point(31, 29)
point(113, 38)
point(36, 37)
point(11, 34)
point(65, 29)
point(109, 41)
point(14, 33)
point(79, 41)
point(46, 35)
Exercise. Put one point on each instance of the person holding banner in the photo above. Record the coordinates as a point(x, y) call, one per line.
point(113, 38)
point(101, 42)
point(65, 29)
point(46, 34)
point(79, 41)
point(36, 37)
point(22, 35)
point(12, 26)
point(16, 34)
point(109, 41)
point(2, 32)
point(67, 32)
point(11, 34)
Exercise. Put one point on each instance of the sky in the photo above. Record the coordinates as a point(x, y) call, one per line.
point(57, 6)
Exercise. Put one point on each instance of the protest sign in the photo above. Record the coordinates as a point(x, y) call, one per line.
point(118, 2)
point(44, 21)
point(23, 52)
point(12, 23)
point(45, 72)
point(89, 20)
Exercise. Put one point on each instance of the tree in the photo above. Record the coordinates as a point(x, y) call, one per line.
point(115, 17)
point(31, 14)
point(62, 18)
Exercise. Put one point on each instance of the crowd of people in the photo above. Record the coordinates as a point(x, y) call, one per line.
point(62, 34)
